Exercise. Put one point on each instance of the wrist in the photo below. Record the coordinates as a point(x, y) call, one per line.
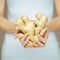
point(13, 28)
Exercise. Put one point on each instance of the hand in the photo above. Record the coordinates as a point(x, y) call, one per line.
point(23, 40)
point(43, 37)
point(39, 43)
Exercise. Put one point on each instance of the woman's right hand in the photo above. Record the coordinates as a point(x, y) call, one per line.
point(24, 41)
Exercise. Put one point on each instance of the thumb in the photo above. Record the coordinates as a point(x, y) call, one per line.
point(44, 30)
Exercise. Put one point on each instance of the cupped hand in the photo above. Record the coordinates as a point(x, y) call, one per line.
point(43, 36)
point(24, 40)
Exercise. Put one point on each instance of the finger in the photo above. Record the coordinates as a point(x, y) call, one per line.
point(40, 44)
point(26, 42)
point(46, 36)
point(20, 36)
point(28, 46)
point(41, 39)
point(44, 39)
point(43, 31)
point(24, 38)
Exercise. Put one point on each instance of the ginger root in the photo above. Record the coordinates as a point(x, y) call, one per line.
point(40, 23)
point(31, 27)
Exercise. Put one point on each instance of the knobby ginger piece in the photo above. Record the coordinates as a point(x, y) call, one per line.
point(40, 23)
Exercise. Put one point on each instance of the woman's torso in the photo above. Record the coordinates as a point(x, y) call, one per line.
point(18, 8)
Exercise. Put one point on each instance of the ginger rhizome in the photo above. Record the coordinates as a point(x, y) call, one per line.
point(31, 27)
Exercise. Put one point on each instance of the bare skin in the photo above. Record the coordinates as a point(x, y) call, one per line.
point(40, 43)
point(55, 23)
point(7, 26)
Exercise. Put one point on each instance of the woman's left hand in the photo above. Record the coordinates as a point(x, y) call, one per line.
point(43, 36)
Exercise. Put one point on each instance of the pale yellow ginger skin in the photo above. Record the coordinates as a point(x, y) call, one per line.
point(31, 27)
point(41, 22)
